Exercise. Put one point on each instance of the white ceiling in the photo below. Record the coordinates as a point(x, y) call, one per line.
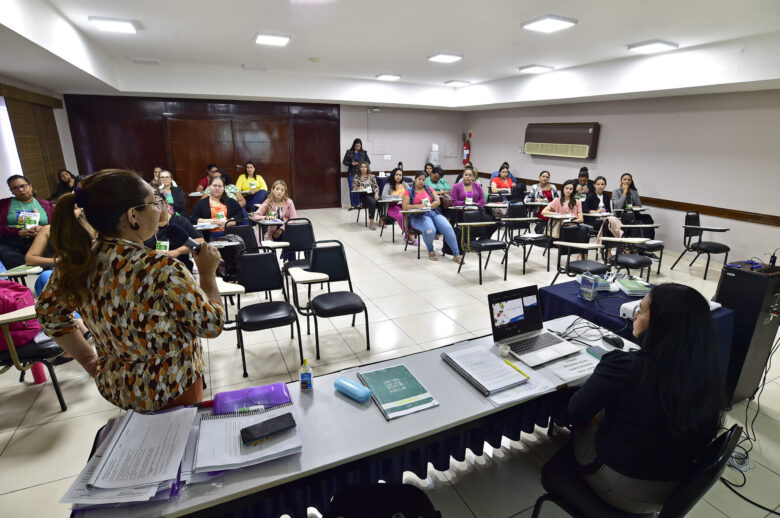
point(202, 45)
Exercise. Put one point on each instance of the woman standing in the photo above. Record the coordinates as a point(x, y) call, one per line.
point(367, 184)
point(277, 206)
point(352, 159)
point(396, 187)
point(145, 310)
point(217, 208)
point(21, 217)
point(174, 196)
point(254, 184)
point(428, 223)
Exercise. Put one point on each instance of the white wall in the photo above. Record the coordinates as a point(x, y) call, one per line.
point(719, 150)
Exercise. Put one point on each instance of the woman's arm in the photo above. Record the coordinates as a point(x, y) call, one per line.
point(436, 201)
point(242, 183)
point(261, 185)
point(290, 210)
point(34, 256)
point(405, 204)
point(579, 217)
point(375, 187)
point(493, 186)
point(480, 198)
point(240, 199)
point(261, 211)
point(347, 159)
point(551, 208)
point(458, 194)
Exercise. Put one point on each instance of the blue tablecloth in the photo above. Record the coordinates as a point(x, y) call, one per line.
point(561, 299)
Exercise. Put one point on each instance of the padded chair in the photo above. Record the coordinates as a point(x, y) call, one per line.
point(693, 229)
point(528, 242)
point(380, 501)
point(630, 261)
point(247, 233)
point(299, 232)
point(411, 232)
point(565, 487)
point(574, 239)
point(260, 273)
point(650, 247)
point(478, 239)
point(516, 209)
point(328, 257)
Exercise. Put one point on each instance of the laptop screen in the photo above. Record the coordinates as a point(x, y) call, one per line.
point(515, 312)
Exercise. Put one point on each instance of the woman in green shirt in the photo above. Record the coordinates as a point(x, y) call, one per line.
point(21, 216)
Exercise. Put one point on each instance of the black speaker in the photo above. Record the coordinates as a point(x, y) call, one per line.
point(754, 296)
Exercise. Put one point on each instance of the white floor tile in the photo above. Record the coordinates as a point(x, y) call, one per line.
point(17, 400)
point(385, 336)
point(39, 500)
point(81, 397)
point(262, 361)
point(396, 306)
point(761, 487)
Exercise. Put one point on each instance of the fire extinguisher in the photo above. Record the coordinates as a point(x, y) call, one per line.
point(466, 147)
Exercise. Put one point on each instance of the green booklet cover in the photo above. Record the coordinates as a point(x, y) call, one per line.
point(396, 391)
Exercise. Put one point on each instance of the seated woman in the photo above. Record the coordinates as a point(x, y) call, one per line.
point(365, 182)
point(176, 200)
point(420, 196)
point(217, 208)
point(428, 169)
point(468, 191)
point(626, 197)
point(145, 310)
point(437, 182)
point(66, 182)
point(566, 204)
point(467, 165)
point(21, 217)
point(277, 206)
point(231, 190)
point(502, 183)
point(542, 191)
point(642, 418)
point(254, 184)
point(156, 175)
point(597, 201)
point(173, 245)
point(396, 187)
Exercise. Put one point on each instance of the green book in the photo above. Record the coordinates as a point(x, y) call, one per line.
point(396, 391)
point(633, 288)
point(19, 269)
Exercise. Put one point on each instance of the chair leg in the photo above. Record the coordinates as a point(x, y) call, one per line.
point(393, 229)
point(353, 319)
point(660, 260)
point(292, 332)
point(555, 278)
point(419, 239)
point(241, 346)
point(694, 259)
point(707, 267)
point(479, 254)
point(678, 259)
point(56, 384)
point(462, 255)
point(548, 257)
point(368, 340)
point(538, 505)
point(649, 269)
point(488, 259)
point(317, 336)
point(506, 260)
point(300, 343)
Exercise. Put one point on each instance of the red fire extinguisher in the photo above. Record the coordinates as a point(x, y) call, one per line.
point(466, 147)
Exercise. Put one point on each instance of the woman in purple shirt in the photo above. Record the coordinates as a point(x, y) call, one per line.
point(467, 188)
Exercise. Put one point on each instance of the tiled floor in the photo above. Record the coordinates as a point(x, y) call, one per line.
point(414, 305)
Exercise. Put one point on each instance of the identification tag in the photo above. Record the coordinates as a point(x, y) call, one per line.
point(163, 246)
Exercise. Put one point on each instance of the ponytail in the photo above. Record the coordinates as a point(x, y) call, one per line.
point(73, 254)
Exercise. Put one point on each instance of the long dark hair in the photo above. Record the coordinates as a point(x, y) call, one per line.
point(224, 198)
point(684, 361)
point(631, 187)
point(572, 200)
point(104, 197)
point(356, 141)
point(392, 181)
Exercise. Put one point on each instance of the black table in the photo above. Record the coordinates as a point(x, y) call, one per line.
point(561, 299)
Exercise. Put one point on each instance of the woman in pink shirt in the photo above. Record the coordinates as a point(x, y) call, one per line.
point(278, 205)
point(566, 204)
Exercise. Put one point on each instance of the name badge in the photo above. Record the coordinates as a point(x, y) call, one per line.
point(29, 219)
point(163, 246)
point(252, 185)
point(219, 215)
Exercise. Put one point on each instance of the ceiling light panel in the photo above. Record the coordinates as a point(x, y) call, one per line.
point(457, 84)
point(388, 77)
point(652, 46)
point(445, 58)
point(549, 23)
point(113, 25)
point(534, 69)
point(274, 40)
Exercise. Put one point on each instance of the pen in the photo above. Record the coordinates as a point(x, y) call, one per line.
point(518, 370)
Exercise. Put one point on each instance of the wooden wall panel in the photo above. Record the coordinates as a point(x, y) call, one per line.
point(317, 178)
point(266, 144)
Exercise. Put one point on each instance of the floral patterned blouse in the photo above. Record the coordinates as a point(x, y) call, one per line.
point(146, 313)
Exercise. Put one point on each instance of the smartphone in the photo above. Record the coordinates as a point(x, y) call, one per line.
point(252, 435)
point(596, 351)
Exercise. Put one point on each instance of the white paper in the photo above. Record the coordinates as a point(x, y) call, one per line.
point(574, 367)
point(537, 384)
point(147, 450)
point(489, 370)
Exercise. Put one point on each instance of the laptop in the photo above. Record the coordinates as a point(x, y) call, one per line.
point(516, 319)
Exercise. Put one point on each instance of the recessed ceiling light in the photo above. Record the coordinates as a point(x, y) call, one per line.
point(144, 61)
point(445, 58)
point(273, 40)
point(534, 69)
point(253, 66)
point(456, 83)
point(388, 77)
point(652, 46)
point(113, 25)
point(549, 23)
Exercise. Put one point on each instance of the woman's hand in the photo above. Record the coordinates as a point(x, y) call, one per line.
point(219, 222)
point(625, 189)
point(207, 259)
point(376, 196)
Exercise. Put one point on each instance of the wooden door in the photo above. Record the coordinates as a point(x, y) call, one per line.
point(264, 142)
point(316, 171)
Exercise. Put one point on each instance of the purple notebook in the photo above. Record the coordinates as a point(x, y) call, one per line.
point(252, 398)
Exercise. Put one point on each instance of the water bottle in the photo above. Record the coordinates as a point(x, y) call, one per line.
point(306, 375)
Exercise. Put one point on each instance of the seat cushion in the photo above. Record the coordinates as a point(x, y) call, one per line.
point(711, 247)
point(587, 265)
point(265, 316)
point(561, 479)
point(337, 303)
point(32, 351)
point(487, 244)
point(297, 263)
point(650, 247)
point(631, 261)
point(527, 240)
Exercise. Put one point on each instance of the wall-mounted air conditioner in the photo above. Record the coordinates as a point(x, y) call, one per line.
point(564, 139)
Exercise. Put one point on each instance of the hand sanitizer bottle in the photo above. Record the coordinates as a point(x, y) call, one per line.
point(306, 375)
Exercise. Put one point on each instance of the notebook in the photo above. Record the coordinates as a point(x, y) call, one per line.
point(486, 371)
point(219, 440)
point(251, 398)
point(396, 391)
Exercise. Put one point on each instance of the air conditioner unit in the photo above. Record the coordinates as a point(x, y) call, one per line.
point(566, 139)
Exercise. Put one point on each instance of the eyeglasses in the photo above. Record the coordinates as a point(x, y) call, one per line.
point(20, 187)
point(637, 311)
point(158, 203)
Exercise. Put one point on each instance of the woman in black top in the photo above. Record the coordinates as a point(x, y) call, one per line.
point(66, 182)
point(656, 409)
point(176, 200)
point(352, 159)
point(217, 208)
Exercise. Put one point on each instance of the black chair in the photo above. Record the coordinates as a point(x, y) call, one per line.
point(527, 242)
point(692, 229)
point(411, 232)
point(478, 239)
point(647, 248)
point(516, 210)
point(380, 501)
point(575, 239)
point(260, 273)
point(328, 257)
point(247, 233)
point(299, 232)
point(565, 487)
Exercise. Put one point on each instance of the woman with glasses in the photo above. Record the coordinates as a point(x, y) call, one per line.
point(145, 310)
point(176, 200)
point(21, 217)
point(217, 208)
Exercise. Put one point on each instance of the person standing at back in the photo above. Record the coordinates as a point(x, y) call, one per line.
point(352, 159)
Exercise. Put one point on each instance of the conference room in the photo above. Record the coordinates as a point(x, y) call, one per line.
point(274, 107)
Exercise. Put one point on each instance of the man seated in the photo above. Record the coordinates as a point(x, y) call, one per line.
point(212, 171)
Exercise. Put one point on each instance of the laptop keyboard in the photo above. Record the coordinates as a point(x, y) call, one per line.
point(534, 343)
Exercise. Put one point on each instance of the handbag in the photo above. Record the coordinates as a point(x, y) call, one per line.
point(445, 202)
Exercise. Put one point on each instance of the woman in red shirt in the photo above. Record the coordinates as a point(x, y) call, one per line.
point(502, 181)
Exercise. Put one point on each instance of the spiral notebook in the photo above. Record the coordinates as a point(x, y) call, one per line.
point(219, 440)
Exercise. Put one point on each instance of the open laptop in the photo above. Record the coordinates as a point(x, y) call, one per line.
point(516, 319)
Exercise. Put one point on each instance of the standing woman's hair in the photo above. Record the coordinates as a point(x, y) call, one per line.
point(572, 200)
point(368, 167)
point(392, 181)
point(104, 198)
point(684, 362)
point(286, 190)
point(224, 198)
point(356, 141)
point(254, 172)
point(631, 187)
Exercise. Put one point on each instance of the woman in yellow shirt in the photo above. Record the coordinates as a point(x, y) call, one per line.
point(252, 186)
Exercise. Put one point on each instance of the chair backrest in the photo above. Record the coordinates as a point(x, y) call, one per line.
point(708, 469)
point(575, 234)
point(517, 209)
point(475, 216)
point(329, 257)
point(299, 232)
point(260, 272)
point(495, 198)
point(246, 233)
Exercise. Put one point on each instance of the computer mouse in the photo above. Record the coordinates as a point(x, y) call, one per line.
point(613, 340)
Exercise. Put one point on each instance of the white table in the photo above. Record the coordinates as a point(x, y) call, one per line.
point(596, 214)
point(536, 203)
point(228, 289)
point(21, 274)
point(195, 194)
point(336, 430)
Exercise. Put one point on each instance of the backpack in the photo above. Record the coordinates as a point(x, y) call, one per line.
point(14, 296)
point(230, 266)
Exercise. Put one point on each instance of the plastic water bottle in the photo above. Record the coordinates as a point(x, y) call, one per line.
point(306, 375)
